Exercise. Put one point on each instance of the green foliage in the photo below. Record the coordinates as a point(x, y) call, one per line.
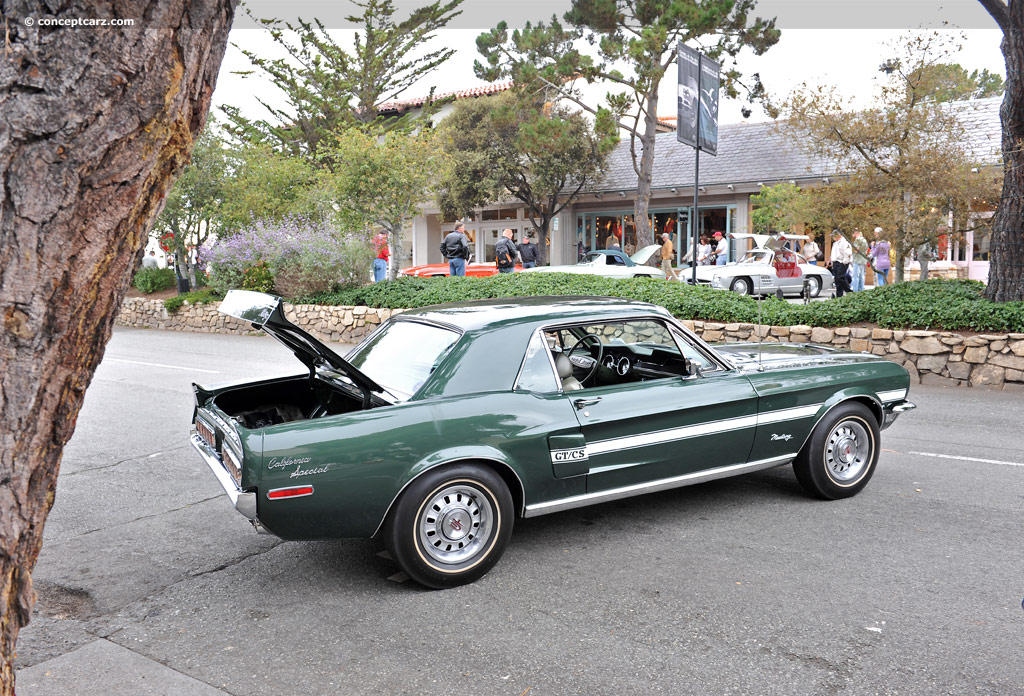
point(907, 159)
point(946, 82)
point(629, 46)
point(780, 208)
point(930, 304)
point(330, 87)
point(383, 181)
point(266, 185)
point(150, 280)
point(515, 144)
point(258, 277)
point(205, 296)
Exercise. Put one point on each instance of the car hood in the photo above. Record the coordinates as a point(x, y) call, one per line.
point(642, 256)
point(775, 356)
point(266, 312)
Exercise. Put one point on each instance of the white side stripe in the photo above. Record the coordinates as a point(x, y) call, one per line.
point(688, 431)
point(894, 395)
point(787, 414)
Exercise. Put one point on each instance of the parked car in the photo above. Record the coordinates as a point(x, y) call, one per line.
point(437, 270)
point(522, 407)
point(612, 263)
point(758, 271)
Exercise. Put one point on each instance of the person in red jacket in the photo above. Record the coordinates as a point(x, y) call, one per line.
point(380, 264)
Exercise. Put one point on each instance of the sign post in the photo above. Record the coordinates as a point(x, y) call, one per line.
point(697, 122)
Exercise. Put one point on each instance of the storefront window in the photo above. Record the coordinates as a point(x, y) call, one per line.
point(609, 231)
point(982, 240)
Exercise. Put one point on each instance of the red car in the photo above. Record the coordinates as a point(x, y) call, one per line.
point(434, 270)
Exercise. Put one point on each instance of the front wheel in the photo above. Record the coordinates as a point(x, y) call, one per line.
point(841, 454)
point(450, 526)
point(742, 286)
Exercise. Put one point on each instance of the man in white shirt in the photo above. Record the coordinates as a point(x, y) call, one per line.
point(842, 255)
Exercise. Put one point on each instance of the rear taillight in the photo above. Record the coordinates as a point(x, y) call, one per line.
point(206, 432)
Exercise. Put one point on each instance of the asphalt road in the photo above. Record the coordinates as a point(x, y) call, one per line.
point(149, 582)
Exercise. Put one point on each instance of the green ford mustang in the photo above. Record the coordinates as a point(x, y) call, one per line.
point(448, 422)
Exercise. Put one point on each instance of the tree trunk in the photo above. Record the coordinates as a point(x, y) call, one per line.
point(923, 259)
point(641, 218)
point(395, 248)
point(1006, 257)
point(97, 123)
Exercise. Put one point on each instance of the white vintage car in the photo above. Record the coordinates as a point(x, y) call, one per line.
point(765, 269)
point(611, 263)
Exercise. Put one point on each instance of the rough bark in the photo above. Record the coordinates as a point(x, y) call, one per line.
point(95, 124)
point(1006, 257)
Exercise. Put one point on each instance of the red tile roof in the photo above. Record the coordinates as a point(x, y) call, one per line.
point(481, 91)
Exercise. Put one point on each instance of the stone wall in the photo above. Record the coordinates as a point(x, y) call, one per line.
point(931, 357)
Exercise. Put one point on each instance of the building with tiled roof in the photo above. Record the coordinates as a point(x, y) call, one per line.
point(750, 155)
point(400, 107)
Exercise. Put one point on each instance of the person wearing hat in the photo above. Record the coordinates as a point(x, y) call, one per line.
point(842, 256)
point(721, 250)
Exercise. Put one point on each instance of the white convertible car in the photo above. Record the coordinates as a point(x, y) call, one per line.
point(765, 269)
point(611, 263)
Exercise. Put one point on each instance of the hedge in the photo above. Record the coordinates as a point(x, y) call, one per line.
point(929, 304)
point(150, 280)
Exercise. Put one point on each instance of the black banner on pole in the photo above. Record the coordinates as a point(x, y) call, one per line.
point(710, 81)
point(688, 101)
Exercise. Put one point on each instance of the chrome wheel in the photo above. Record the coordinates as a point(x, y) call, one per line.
point(455, 524)
point(848, 452)
point(741, 286)
point(814, 286)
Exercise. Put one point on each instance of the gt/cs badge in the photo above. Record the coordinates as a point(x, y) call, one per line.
point(576, 454)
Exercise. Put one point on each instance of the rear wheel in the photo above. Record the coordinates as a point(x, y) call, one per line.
point(450, 526)
point(840, 457)
point(814, 286)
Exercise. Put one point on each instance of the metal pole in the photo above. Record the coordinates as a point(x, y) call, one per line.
point(695, 217)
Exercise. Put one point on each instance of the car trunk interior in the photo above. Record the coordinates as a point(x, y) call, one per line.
point(284, 401)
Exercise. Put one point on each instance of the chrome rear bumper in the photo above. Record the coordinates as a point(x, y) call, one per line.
point(895, 409)
point(243, 501)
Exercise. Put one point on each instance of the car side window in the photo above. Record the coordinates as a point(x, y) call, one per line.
point(536, 373)
point(696, 356)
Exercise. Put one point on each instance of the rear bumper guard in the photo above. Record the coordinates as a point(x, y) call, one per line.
point(243, 501)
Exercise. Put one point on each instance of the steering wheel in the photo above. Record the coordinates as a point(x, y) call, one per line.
point(587, 362)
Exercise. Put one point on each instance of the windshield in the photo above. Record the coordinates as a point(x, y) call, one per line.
point(593, 259)
point(401, 356)
point(757, 256)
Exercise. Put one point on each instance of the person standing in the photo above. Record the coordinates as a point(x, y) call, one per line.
point(455, 249)
point(721, 250)
point(860, 260)
point(150, 261)
point(704, 251)
point(810, 251)
point(380, 264)
point(666, 256)
point(879, 256)
point(505, 252)
point(528, 252)
point(842, 255)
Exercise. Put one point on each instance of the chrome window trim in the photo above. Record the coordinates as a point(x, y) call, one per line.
point(538, 334)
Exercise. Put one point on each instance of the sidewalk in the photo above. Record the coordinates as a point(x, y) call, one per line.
point(121, 672)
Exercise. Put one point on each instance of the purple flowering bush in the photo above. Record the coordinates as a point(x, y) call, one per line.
point(301, 257)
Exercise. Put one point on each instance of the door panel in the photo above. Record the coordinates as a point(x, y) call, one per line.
point(644, 431)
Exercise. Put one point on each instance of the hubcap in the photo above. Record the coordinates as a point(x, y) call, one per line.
point(455, 523)
point(848, 451)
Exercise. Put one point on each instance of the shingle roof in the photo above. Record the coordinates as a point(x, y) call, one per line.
point(752, 152)
point(481, 91)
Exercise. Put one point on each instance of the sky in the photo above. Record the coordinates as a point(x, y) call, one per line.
point(835, 42)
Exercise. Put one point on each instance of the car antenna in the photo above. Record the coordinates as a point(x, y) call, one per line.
point(760, 300)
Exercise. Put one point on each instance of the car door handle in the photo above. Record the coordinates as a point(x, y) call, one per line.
point(583, 403)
